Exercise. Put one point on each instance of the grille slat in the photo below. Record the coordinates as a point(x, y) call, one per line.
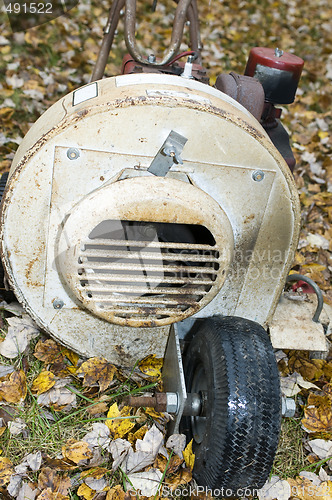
point(147, 267)
point(112, 299)
point(138, 282)
point(153, 255)
point(151, 244)
point(133, 290)
point(92, 278)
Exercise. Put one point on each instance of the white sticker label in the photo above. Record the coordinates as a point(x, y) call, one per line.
point(85, 93)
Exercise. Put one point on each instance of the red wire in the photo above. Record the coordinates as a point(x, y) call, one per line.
point(183, 54)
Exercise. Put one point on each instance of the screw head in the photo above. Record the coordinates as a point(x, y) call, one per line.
point(258, 175)
point(73, 153)
point(278, 52)
point(58, 304)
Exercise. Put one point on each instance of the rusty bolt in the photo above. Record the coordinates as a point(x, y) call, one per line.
point(158, 401)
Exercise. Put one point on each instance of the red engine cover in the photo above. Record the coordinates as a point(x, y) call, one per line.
point(279, 72)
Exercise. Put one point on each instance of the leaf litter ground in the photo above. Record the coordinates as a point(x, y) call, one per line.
point(64, 429)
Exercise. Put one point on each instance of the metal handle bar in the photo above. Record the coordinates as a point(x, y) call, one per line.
point(318, 292)
point(176, 37)
point(185, 9)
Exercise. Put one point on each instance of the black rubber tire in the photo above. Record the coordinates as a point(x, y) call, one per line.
point(232, 360)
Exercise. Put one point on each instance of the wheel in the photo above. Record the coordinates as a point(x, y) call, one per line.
point(230, 362)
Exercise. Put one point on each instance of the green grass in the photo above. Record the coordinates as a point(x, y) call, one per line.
point(290, 458)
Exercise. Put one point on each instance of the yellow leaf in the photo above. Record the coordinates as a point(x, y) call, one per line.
point(76, 451)
point(116, 493)
point(305, 490)
point(6, 113)
point(72, 356)
point(97, 370)
point(154, 414)
point(318, 414)
point(86, 492)
point(189, 456)
point(151, 366)
point(14, 390)
point(139, 434)
point(118, 422)
point(6, 470)
point(43, 382)
point(95, 472)
point(2, 430)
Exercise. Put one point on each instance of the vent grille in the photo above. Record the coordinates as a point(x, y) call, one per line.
point(142, 282)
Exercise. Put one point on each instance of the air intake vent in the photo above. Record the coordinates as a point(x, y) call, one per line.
point(144, 278)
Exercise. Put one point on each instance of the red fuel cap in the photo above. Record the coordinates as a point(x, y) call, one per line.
point(279, 72)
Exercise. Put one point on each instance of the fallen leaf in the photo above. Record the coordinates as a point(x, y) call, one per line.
point(145, 483)
point(34, 460)
point(14, 390)
point(116, 493)
point(321, 448)
point(275, 489)
point(118, 421)
point(20, 332)
point(151, 366)
point(97, 370)
point(77, 451)
point(16, 426)
point(43, 382)
point(119, 449)
point(317, 414)
point(99, 436)
point(51, 483)
point(177, 443)
point(189, 456)
point(6, 470)
point(86, 492)
point(26, 492)
point(146, 451)
point(48, 351)
point(58, 397)
point(304, 489)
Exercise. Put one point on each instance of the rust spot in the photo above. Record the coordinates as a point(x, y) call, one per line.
point(249, 218)
point(121, 352)
point(29, 270)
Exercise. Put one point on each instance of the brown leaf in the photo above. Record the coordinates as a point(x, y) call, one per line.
point(14, 390)
point(305, 490)
point(310, 369)
point(97, 370)
point(58, 464)
point(49, 494)
point(48, 351)
point(318, 414)
point(50, 481)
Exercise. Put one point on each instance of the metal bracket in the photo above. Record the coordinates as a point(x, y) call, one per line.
point(168, 154)
point(173, 377)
